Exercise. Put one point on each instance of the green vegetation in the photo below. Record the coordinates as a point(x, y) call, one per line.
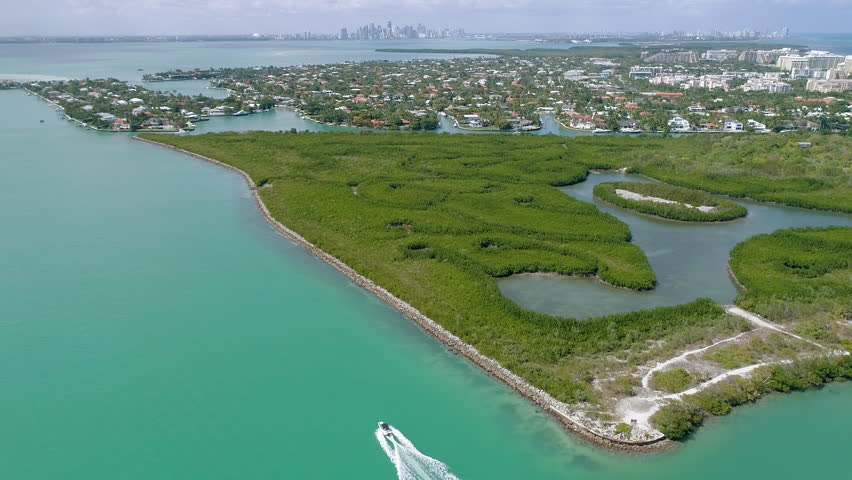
point(686, 208)
point(732, 356)
point(798, 274)
point(768, 167)
point(434, 218)
point(677, 419)
point(623, 429)
point(672, 381)
point(680, 417)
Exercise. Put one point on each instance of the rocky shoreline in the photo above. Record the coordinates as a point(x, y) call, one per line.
point(541, 398)
point(733, 277)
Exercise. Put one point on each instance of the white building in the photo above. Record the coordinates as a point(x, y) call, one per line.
point(824, 86)
point(766, 85)
point(815, 60)
point(732, 126)
point(790, 62)
point(756, 126)
point(575, 75)
point(107, 117)
point(719, 55)
point(645, 72)
point(679, 123)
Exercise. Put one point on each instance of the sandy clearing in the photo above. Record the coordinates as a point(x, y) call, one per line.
point(627, 194)
point(647, 378)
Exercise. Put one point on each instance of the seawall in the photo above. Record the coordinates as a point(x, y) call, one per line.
point(538, 396)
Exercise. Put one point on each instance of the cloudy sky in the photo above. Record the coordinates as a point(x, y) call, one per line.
point(110, 17)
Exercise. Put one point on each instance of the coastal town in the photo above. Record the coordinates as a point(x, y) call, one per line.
point(115, 106)
point(670, 90)
point(630, 90)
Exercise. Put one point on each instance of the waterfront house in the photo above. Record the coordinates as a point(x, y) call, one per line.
point(582, 122)
point(732, 126)
point(158, 123)
point(679, 123)
point(120, 125)
point(107, 117)
point(629, 125)
point(756, 126)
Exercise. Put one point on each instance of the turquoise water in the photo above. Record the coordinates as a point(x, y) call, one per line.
point(688, 259)
point(153, 325)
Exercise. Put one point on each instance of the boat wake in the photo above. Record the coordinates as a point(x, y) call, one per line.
point(409, 462)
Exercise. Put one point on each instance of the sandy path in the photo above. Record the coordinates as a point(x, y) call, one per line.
point(762, 322)
point(646, 380)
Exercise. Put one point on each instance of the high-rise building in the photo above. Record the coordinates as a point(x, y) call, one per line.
point(824, 86)
point(673, 57)
point(823, 60)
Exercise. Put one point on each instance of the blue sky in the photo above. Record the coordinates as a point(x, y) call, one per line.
point(110, 17)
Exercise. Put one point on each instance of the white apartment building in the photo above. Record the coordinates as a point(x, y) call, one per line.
point(770, 85)
point(825, 86)
point(814, 60)
point(718, 55)
point(645, 72)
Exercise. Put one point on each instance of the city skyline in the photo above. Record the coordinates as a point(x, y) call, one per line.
point(229, 17)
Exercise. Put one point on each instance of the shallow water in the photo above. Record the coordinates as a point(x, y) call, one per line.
point(688, 259)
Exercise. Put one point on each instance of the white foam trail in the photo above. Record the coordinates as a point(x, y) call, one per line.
point(409, 462)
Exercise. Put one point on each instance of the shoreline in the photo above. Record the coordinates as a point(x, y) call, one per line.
point(592, 277)
point(733, 277)
point(86, 125)
point(542, 399)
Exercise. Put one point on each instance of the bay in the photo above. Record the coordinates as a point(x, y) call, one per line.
point(153, 325)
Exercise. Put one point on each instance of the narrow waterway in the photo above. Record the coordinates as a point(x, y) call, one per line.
point(689, 259)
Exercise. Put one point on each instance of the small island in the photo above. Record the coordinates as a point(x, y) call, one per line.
point(110, 105)
point(666, 201)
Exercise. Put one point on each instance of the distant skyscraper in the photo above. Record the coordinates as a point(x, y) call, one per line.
point(389, 31)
